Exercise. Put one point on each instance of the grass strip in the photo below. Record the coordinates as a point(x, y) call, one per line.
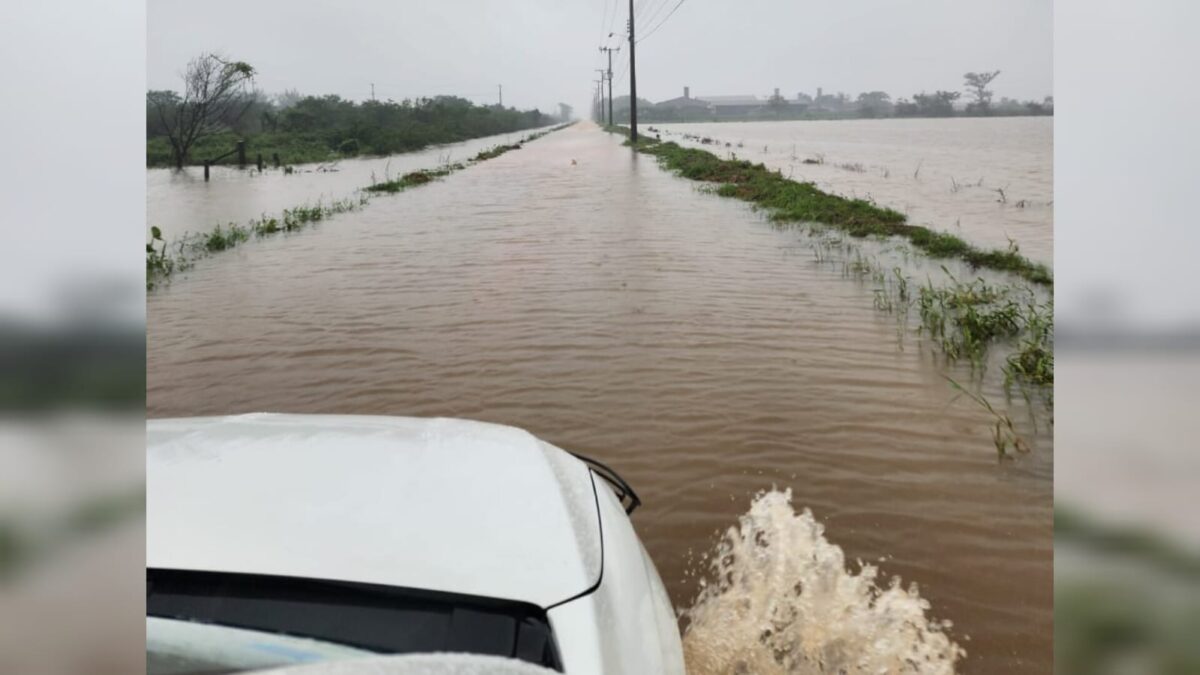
point(793, 201)
point(163, 259)
point(423, 176)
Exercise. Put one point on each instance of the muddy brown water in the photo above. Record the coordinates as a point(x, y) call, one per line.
point(990, 180)
point(580, 292)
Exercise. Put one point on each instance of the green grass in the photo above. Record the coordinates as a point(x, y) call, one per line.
point(792, 201)
point(412, 179)
point(1034, 360)
point(965, 318)
point(495, 152)
point(163, 260)
point(968, 317)
point(292, 148)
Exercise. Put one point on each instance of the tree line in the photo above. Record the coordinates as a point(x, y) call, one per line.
point(218, 106)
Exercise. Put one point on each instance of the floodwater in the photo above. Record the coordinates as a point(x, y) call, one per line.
point(577, 290)
point(987, 180)
point(179, 202)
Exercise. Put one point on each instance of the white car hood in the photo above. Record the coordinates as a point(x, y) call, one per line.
point(440, 504)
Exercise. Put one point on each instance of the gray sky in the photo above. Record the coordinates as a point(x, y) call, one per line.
point(544, 51)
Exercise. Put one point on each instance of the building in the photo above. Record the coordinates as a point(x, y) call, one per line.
point(684, 107)
point(745, 106)
point(735, 106)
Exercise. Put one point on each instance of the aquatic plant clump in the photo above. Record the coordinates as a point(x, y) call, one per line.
point(780, 598)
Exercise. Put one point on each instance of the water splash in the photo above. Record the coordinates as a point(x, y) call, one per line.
point(780, 599)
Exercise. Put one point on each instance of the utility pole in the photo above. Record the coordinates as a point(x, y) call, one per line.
point(372, 91)
point(632, 82)
point(598, 100)
point(610, 50)
point(500, 93)
point(602, 76)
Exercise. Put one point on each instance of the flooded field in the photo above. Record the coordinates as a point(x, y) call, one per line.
point(575, 289)
point(985, 179)
point(180, 201)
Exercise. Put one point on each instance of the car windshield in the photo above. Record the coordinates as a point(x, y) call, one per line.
point(209, 622)
point(179, 647)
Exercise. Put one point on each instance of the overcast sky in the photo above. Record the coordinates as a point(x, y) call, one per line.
point(544, 51)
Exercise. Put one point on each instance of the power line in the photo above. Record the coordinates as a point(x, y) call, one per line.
point(624, 70)
point(639, 11)
point(612, 17)
point(660, 23)
point(606, 19)
point(651, 16)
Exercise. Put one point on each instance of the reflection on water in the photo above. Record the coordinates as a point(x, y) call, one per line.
point(985, 179)
point(576, 290)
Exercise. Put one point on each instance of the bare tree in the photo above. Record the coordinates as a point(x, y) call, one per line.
point(214, 89)
point(977, 84)
point(288, 98)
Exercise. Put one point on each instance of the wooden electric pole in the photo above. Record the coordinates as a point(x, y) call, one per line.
point(610, 51)
point(632, 81)
point(602, 76)
point(599, 100)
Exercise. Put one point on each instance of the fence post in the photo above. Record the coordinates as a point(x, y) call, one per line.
point(260, 163)
point(241, 153)
point(206, 171)
point(275, 157)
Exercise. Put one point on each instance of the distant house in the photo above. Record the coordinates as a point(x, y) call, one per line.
point(735, 106)
point(684, 108)
point(683, 102)
point(694, 108)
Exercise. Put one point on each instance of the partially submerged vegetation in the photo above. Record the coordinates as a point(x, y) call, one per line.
point(164, 259)
point(412, 179)
point(421, 177)
point(793, 201)
point(962, 320)
point(1004, 432)
point(496, 152)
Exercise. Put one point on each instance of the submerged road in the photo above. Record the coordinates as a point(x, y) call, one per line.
point(577, 290)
